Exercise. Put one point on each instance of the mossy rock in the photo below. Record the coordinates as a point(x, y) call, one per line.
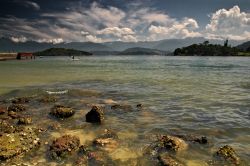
point(21, 100)
point(60, 111)
point(6, 127)
point(24, 121)
point(48, 99)
point(228, 154)
point(17, 143)
point(16, 108)
point(172, 143)
point(63, 146)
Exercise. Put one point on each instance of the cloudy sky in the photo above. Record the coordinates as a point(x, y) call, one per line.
point(123, 20)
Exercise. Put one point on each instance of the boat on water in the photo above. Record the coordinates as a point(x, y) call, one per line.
point(74, 59)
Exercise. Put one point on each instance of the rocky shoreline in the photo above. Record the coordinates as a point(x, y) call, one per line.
point(20, 135)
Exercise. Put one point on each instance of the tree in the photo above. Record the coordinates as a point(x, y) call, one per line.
point(226, 43)
point(206, 42)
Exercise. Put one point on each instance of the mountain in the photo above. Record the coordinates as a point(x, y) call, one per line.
point(141, 51)
point(7, 45)
point(244, 46)
point(62, 52)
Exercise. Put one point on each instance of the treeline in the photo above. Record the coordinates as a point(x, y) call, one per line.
point(207, 49)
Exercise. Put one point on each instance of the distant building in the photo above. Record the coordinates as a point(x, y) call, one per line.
point(25, 55)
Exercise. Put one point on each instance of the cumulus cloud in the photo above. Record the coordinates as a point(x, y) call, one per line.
point(231, 23)
point(177, 29)
point(54, 41)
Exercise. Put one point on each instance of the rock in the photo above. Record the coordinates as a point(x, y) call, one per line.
point(107, 141)
point(60, 111)
point(228, 154)
point(95, 115)
point(166, 160)
point(2, 110)
point(17, 143)
point(139, 106)
point(13, 114)
point(64, 146)
point(122, 107)
point(21, 100)
point(173, 143)
point(24, 121)
point(194, 138)
point(48, 99)
point(166, 143)
point(6, 127)
point(16, 108)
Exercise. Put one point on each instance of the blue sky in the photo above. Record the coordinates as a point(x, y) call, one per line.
point(123, 20)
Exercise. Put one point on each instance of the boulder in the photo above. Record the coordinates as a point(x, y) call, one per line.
point(16, 108)
point(13, 115)
point(6, 127)
point(167, 160)
point(24, 121)
point(95, 115)
point(63, 146)
point(173, 143)
point(60, 111)
point(227, 154)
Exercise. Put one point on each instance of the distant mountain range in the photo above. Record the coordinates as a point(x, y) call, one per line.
point(7, 45)
point(142, 51)
point(244, 46)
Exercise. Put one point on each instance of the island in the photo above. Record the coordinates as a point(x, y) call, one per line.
point(62, 52)
point(141, 51)
point(207, 49)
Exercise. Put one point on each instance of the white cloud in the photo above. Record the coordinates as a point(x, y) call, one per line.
point(231, 23)
point(94, 39)
point(54, 41)
point(177, 29)
point(116, 31)
point(21, 39)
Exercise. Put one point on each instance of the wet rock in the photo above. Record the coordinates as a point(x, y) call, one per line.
point(122, 107)
point(16, 108)
point(24, 121)
point(173, 143)
point(167, 160)
point(13, 115)
point(60, 111)
point(17, 143)
point(3, 110)
point(107, 141)
point(95, 115)
point(54, 126)
point(48, 99)
point(63, 146)
point(139, 106)
point(194, 138)
point(166, 143)
point(227, 154)
point(21, 100)
point(6, 127)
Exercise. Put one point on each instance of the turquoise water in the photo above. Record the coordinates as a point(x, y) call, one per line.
point(199, 95)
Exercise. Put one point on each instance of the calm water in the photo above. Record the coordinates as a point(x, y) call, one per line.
point(185, 95)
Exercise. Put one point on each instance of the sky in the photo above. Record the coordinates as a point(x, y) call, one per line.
point(123, 20)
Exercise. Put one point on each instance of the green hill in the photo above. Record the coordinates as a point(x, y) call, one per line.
point(62, 52)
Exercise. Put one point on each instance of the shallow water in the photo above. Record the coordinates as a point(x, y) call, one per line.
point(183, 95)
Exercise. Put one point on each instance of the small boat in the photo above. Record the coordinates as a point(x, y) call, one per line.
point(74, 59)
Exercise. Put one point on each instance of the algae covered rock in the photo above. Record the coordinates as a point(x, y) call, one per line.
point(16, 108)
point(107, 141)
point(64, 146)
point(24, 121)
point(60, 111)
point(228, 154)
point(95, 115)
point(6, 127)
point(167, 160)
point(194, 138)
point(21, 100)
point(173, 143)
point(17, 143)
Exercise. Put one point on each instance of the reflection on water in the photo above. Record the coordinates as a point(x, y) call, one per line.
point(181, 95)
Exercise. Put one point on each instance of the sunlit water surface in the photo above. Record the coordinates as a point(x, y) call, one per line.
point(207, 96)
